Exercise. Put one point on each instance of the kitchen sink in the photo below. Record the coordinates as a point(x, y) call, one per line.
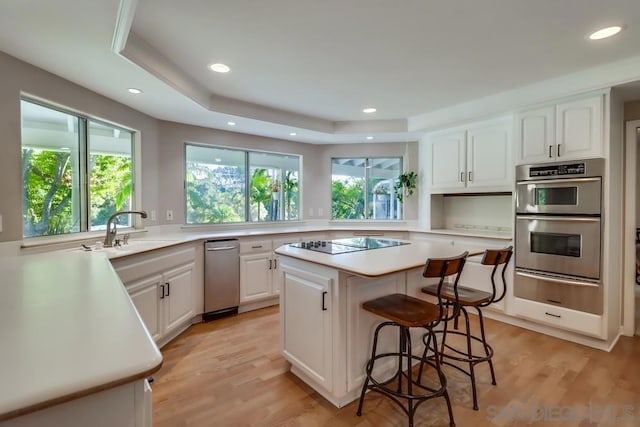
point(132, 247)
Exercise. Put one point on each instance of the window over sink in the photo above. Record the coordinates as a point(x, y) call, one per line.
point(76, 171)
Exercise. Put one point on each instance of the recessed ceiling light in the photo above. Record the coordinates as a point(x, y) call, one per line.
point(605, 32)
point(292, 134)
point(219, 68)
point(369, 138)
point(218, 159)
point(231, 123)
point(134, 90)
point(64, 148)
point(369, 110)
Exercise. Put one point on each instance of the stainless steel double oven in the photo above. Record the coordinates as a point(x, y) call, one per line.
point(558, 235)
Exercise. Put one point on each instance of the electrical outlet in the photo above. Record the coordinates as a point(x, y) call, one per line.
point(169, 215)
point(320, 211)
point(153, 215)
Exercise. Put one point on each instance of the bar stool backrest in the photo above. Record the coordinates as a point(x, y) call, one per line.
point(497, 258)
point(444, 268)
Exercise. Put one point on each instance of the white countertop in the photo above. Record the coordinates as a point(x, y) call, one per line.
point(157, 239)
point(379, 262)
point(67, 328)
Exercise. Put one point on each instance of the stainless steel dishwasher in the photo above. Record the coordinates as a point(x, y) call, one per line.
point(221, 278)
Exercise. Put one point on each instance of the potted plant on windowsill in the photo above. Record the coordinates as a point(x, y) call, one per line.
point(405, 185)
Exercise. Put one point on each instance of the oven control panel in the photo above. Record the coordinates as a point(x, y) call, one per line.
point(557, 170)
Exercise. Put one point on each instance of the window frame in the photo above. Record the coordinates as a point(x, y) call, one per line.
point(84, 193)
point(247, 176)
point(366, 177)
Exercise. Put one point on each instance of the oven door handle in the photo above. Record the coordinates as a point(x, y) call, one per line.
point(559, 218)
point(559, 181)
point(558, 280)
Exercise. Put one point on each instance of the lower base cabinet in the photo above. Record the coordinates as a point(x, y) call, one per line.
point(164, 301)
point(306, 324)
point(128, 405)
point(161, 288)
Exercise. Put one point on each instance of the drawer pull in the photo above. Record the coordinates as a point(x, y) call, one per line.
point(256, 247)
point(557, 316)
point(554, 301)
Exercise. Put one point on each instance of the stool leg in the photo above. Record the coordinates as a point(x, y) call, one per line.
point(444, 338)
point(443, 380)
point(411, 408)
point(427, 343)
point(471, 364)
point(369, 368)
point(486, 346)
point(402, 345)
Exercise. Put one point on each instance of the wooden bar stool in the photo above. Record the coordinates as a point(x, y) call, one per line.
point(407, 312)
point(460, 298)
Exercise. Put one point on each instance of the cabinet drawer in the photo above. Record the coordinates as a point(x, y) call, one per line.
point(254, 246)
point(564, 318)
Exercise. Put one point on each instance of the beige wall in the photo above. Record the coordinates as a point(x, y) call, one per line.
point(316, 165)
point(162, 148)
point(19, 78)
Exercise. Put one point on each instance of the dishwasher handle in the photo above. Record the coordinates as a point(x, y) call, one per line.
point(221, 248)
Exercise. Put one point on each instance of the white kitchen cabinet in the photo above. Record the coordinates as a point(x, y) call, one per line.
point(563, 131)
point(161, 285)
point(127, 405)
point(164, 301)
point(260, 275)
point(306, 324)
point(559, 317)
point(447, 166)
point(277, 277)
point(256, 276)
point(145, 295)
point(178, 307)
point(476, 157)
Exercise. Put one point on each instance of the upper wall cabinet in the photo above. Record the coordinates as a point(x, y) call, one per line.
point(474, 158)
point(564, 131)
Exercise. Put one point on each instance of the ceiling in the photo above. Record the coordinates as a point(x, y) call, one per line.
point(309, 66)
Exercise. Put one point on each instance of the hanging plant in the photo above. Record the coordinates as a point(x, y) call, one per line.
point(406, 183)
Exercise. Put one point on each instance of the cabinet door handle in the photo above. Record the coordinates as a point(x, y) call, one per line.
point(162, 294)
point(324, 306)
point(270, 264)
point(470, 176)
point(168, 288)
point(275, 263)
point(552, 315)
point(550, 147)
point(559, 149)
point(461, 176)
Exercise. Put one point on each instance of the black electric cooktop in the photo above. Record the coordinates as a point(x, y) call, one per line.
point(343, 246)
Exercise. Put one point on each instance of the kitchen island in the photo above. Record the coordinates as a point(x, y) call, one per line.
point(74, 350)
point(325, 334)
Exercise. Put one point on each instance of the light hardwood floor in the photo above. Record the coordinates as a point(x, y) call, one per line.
point(229, 372)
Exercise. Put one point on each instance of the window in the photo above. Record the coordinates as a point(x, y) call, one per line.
point(227, 185)
point(60, 149)
point(363, 188)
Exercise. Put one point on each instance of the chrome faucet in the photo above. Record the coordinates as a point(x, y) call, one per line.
point(111, 233)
